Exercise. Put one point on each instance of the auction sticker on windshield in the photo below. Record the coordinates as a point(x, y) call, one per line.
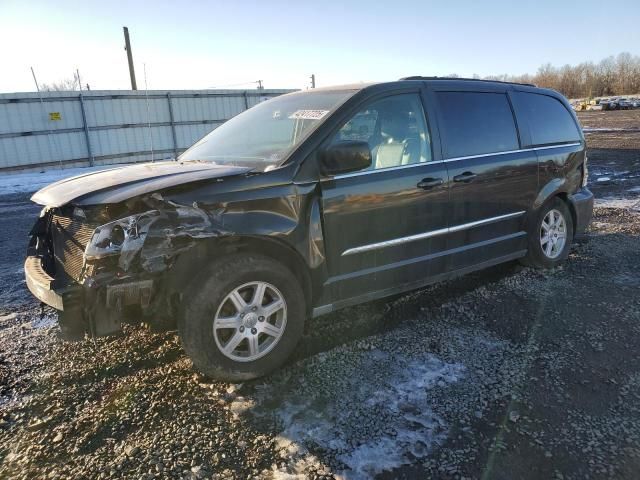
point(308, 114)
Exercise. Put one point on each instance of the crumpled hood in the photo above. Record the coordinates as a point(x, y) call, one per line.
point(118, 184)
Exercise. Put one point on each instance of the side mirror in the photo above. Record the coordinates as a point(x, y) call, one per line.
point(346, 156)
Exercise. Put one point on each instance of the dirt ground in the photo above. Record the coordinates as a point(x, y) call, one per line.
point(503, 374)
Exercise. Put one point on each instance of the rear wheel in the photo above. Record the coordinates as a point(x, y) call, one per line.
point(243, 319)
point(550, 236)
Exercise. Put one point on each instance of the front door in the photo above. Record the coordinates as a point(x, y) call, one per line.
point(380, 224)
point(493, 181)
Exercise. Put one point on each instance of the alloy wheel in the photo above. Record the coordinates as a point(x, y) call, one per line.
point(250, 321)
point(553, 234)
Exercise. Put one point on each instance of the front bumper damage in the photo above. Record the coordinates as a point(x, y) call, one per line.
point(96, 293)
point(97, 306)
point(40, 283)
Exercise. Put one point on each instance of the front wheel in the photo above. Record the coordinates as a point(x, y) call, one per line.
point(243, 318)
point(550, 235)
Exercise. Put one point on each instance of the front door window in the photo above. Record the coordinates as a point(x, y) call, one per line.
point(395, 129)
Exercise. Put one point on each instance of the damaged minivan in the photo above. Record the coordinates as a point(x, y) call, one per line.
point(311, 202)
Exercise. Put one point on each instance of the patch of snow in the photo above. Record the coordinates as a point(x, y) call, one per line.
point(603, 179)
point(615, 202)
point(9, 316)
point(604, 129)
point(634, 189)
point(378, 419)
point(45, 322)
point(26, 182)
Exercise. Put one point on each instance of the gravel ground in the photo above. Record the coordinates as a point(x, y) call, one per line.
point(506, 373)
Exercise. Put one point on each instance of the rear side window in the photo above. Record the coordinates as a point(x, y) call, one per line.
point(549, 121)
point(474, 123)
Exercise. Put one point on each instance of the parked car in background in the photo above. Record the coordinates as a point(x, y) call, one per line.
point(308, 203)
point(605, 103)
point(624, 104)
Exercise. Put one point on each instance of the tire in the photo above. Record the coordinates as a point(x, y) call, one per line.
point(551, 254)
point(211, 306)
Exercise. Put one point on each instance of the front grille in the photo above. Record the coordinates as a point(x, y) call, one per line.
point(70, 237)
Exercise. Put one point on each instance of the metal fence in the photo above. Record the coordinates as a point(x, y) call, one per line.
point(105, 127)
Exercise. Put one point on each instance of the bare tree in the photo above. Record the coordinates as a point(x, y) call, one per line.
point(64, 85)
point(618, 75)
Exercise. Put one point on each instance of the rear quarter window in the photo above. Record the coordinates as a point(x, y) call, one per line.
point(549, 120)
point(474, 123)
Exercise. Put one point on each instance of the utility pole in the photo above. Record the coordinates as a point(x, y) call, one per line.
point(127, 47)
point(260, 87)
point(313, 80)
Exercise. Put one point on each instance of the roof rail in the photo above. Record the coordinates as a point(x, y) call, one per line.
point(418, 77)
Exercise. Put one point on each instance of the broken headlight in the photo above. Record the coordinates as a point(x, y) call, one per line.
point(125, 234)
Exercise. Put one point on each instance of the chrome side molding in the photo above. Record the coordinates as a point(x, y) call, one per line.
point(433, 233)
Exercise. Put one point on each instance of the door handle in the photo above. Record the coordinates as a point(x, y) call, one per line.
point(428, 183)
point(464, 177)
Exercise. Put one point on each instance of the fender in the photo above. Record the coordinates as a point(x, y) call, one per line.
point(286, 228)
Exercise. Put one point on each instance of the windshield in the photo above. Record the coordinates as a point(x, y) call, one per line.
point(264, 135)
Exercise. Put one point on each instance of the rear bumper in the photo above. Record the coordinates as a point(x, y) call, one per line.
point(582, 204)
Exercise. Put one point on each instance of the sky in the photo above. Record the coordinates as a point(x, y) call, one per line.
point(192, 44)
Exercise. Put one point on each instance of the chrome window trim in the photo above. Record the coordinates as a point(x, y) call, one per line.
point(447, 160)
point(482, 155)
point(574, 144)
point(388, 169)
point(432, 233)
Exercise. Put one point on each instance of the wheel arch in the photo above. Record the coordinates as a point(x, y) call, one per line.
point(556, 188)
point(207, 252)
